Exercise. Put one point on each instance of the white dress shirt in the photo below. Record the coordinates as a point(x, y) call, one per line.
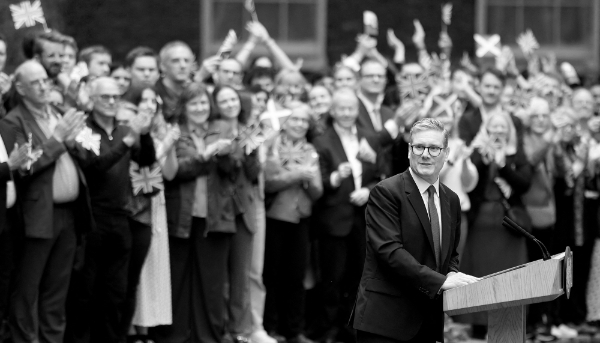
point(351, 145)
point(423, 185)
point(11, 195)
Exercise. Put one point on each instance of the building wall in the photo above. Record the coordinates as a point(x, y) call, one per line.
point(123, 24)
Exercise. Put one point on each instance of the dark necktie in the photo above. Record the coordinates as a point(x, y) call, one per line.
point(435, 224)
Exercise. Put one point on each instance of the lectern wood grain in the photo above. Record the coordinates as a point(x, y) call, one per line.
point(507, 325)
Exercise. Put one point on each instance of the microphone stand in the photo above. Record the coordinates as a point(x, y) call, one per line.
point(509, 223)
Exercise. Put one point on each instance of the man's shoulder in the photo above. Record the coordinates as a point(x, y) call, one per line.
point(14, 116)
point(393, 184)
point(450, 193)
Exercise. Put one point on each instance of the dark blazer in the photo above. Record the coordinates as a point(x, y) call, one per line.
point(400, 281)
point(364, 122)
point(334, 214)
point(181, 191)
point(470, 123)
point(9, 138)
point(35, 187)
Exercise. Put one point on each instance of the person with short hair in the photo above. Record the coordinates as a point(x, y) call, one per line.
point(413, 229)
point(56, 212)
point(143, 66)
point(349, 169)
point(98, 60)
point(176, 60)
point(122, 75)
point(101, 286)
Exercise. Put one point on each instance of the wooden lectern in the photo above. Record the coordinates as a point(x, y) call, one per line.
point(504, 295)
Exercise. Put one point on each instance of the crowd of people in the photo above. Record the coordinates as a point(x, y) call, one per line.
point(163, 200)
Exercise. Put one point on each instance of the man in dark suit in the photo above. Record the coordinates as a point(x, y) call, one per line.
point(378, 119)
point(347, 156)
point(56, 209)
point(413, 229)
point(8, 213)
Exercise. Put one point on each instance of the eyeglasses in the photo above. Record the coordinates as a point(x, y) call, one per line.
point(38, 84)
point(434, 151)
point(108, 97)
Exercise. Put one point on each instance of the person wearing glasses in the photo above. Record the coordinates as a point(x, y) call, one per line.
point(55, 208)
point(413, 230)
point(100, 287)
point(347, 159)
point(376, 118)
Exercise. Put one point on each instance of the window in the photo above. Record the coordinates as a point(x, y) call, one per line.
point(298, 26)
point(570, 28)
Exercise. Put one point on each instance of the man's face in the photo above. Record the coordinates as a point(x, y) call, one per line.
point(595, 92)
point(259, 102)
point(230, 73)
point(425, 165)
point(123, 79)
point(178, 64)
point(2, 54)
point(490, 88)
point(106, 97)
point(100, 65)
point(144, 71)
point(345, 111)
point(460, 79)
point(34, 85)
point(52, 57)
point(264, 82)
point(69, 59)
point(539, 118)
point(583, 104)
point(372, 79)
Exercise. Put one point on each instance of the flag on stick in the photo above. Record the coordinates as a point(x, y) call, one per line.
point(145, 180)
point(27, 14)
point(371, 23)
point(487, 45)
point(527, 42)
point(249, 4)
point(446, 16)
point(228, 44)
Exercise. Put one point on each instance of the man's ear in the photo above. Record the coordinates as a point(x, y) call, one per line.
point(37, 57)
point(20, 88)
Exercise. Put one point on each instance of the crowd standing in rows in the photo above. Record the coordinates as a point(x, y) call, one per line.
point(156, 201)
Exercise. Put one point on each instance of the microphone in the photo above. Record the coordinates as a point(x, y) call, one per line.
point(509, 223)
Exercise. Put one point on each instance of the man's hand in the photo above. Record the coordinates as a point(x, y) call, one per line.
point(18, 157)
point(141, 124)
point(344, 170)
point(418, 37)
point(209, 67)
point(455, 280)
point(257, 30)
point(69, 124)
point(445, 42)
point(359, 197)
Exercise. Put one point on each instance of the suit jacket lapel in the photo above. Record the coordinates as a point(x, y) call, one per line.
point(337, 144)
point(446, 218)
point(416, 200)
point(364, 118)
point(32, 124)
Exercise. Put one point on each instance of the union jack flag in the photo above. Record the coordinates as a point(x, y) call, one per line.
point(527, 42)
point(413, 86)
point(292, 155)
point(27, 14)
point(447, 13)
point(145, 180)
point(89, 140)
point(251, 138)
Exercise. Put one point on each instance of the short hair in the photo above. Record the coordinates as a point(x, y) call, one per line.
point(94, 83)
point(86, 54)
point(257, 89)
point(427, 124)
point(341, 93)
point(140, 51)
point(495, 72)
point(52, 36)
point(285, 73)
point(191, 91)
point(340, 66)
point(70, 41)
point(115, 66)
point(165, 49)
point(244, 113)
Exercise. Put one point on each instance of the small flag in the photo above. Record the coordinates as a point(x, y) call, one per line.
point(442, 105)
point(292, 155)
point(466, 62)
point(487, 45)
point(412, 87)
point(145, 180)
point(89, 140)
point(371, 23)
point(447, 13)
point(522, 97)
point(250, 138)
point(27, 14)
point(527, 42)
point(250, 7)
point(228, 44)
